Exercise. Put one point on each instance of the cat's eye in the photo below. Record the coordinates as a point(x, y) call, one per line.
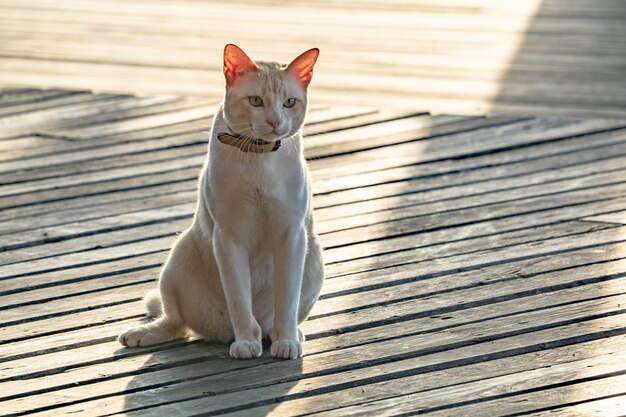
point(290, 103)
point(256, 101)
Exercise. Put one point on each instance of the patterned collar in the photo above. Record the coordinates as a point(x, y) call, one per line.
point(247, 144)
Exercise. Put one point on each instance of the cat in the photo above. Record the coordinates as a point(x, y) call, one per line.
point(250, 266)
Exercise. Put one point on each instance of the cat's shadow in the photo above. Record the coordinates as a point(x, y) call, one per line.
point(191, 377)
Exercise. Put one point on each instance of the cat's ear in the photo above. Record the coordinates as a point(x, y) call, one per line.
point(302, 66)
point(236, 63)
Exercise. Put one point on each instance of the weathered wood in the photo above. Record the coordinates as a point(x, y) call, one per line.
point(121, 155)
point(418, 172)
point(465, 255)
point(437, 403)
point(415, 293)
point(283, 373)
point(12, 97)
point(612, 406)
point(539, 208)
point(539, 154)
point(481, 180)
point(468, 144)
point(399, 255)
point(337, 222)
point(316, 404)
point(320, 344)
point(85, 106)
point(522, 188)
point(362, 334)
point(78, 280)
point(618, 217)
point(548, 57)
point(117, 286)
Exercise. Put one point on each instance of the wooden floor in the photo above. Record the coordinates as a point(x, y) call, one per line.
point(476, 266)
point(531, 57)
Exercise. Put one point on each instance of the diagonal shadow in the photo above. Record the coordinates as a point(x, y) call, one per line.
point(570, 60)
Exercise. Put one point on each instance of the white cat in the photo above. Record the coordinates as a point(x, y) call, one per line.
point(250, 265)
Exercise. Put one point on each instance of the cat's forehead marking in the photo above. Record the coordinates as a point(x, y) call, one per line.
point(272, 78)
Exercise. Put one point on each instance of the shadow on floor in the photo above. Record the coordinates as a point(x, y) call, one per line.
point(571, 59)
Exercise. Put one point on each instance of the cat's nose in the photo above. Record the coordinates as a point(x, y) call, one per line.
point(274, 122)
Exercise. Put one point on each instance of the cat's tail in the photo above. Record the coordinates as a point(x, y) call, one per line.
point(152, 299)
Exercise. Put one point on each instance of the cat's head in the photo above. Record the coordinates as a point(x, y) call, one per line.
point(266, 100)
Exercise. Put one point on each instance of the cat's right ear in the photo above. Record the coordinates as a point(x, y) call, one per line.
point(236, 63)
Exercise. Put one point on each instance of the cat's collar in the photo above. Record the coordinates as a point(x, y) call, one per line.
point(248, 144)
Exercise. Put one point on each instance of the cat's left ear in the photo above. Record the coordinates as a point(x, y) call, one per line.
point(302, 66)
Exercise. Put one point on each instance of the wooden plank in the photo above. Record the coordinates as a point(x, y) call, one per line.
point(516, 222)
point(583, 309)
point(465, 145)
point(319, 119)
point(612, 406)
point(481, 180)
point(117, 306)
point(543, 155)
point(618, 217)
point(141, 14)
point(507, 402)
point(353, 261)
point(24, 146)
point(528, 187)
point(116, 262)
point(91, 155)
point(579, 391)
point(66, 41)
point(319, 328)
point(326, 217)
point(436, 236)
point(384, 209)
point(38, 106)
point(36, 295)
point(419, 178)
point(358, 166)
point(540, 207)
point(68, 338)
point(364, 393)
point(176, 81)
point(87, 231)
point(318, 404)
point(57, 162)
point(94, 158)
point(282, 375)
point(520, 72)
point(40, 120)
point(10, 98)
point(603, 93)
point(452, 285)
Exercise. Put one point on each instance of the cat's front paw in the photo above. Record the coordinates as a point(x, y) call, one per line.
point(132, 337)
point(287, 349)
point(244, 349)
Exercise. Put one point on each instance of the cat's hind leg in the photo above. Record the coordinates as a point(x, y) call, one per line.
point(165, 328)
point(163, 304)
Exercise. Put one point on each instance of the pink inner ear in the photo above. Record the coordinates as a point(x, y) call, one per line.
point(236, 63)
point(302, 66)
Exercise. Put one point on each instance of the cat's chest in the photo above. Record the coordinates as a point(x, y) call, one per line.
point(258, 201)
point(257, 194)
point(264, 181)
